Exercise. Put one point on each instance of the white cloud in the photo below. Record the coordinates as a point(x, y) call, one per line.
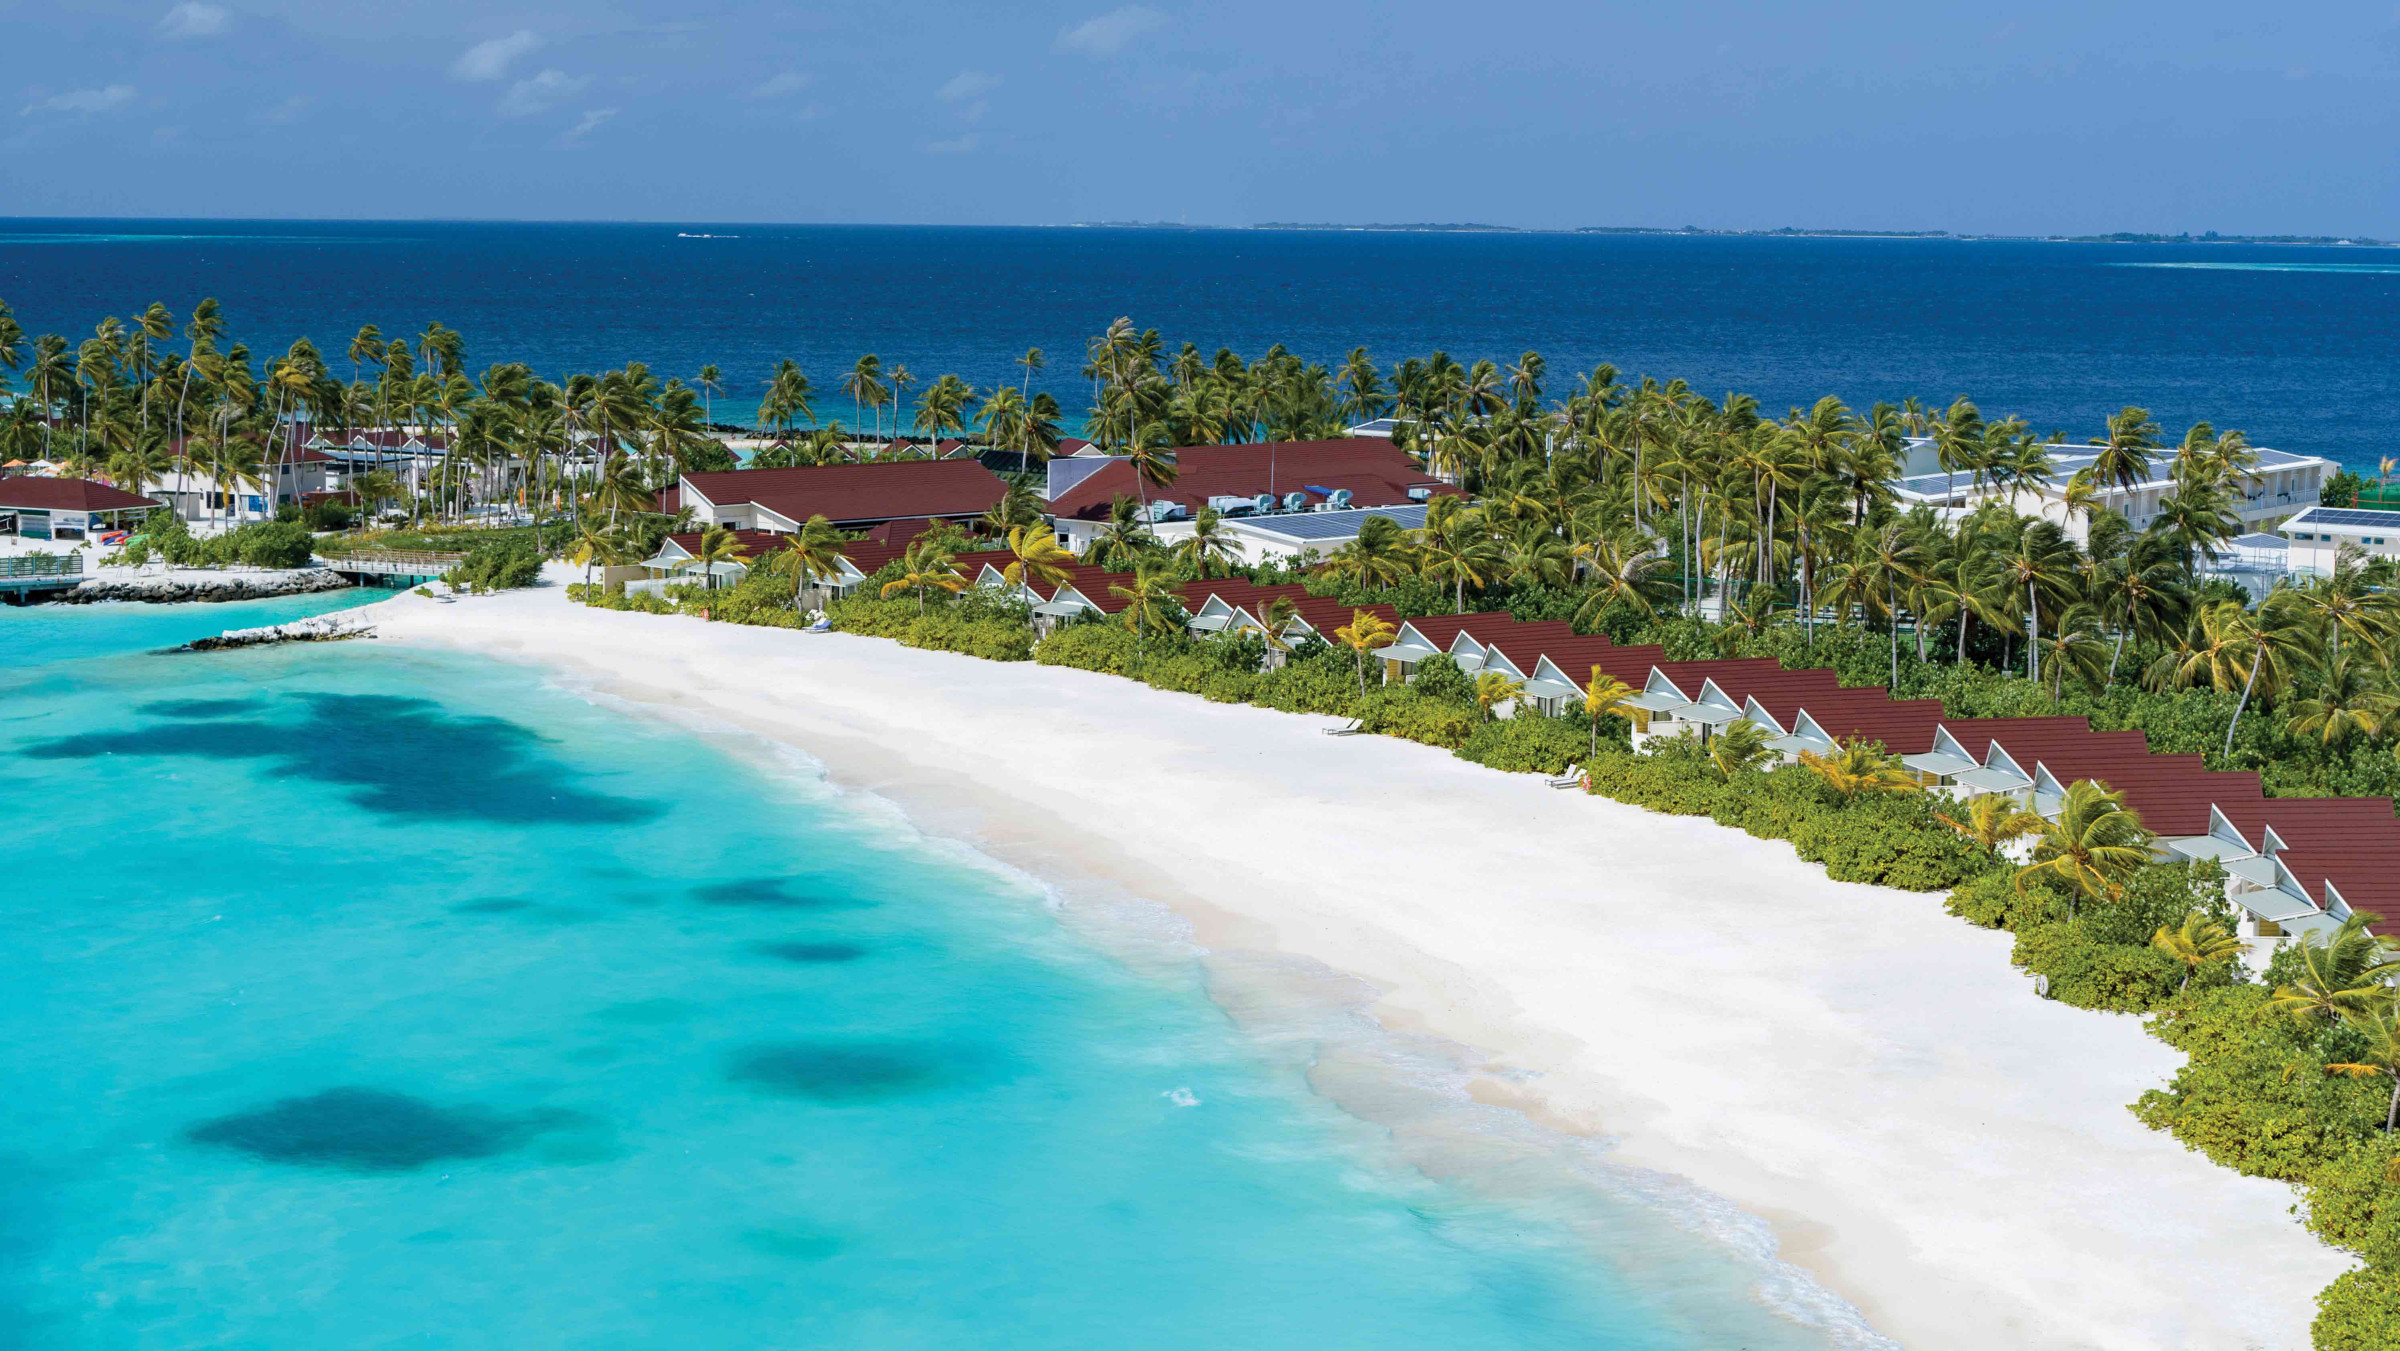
point(540, 93)
point(967, 84)
point(191, 19)
point(490, 60)
point(592, 118)
point(1108, 34)
point(84, 101)
point(785, 85)
point(961, 146)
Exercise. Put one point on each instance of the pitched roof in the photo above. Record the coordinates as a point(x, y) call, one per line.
point(855, 494)
point(1375, 473)
point(66, 494)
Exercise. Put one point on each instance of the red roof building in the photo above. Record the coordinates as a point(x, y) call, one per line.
point(853, 496)
point(1373, 472)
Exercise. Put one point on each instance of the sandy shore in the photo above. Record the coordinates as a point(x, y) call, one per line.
point(1944, 1150)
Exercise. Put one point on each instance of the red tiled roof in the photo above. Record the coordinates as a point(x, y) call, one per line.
point(1376, 474)
point(857, 494)
point(66, 494)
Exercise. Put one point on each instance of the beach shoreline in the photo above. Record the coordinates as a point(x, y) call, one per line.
point(1862, 1072)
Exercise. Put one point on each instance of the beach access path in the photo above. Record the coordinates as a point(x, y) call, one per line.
point(1934, 1143)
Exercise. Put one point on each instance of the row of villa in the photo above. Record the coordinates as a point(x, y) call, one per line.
point(2294, 864)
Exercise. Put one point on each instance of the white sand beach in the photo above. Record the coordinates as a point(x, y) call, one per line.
point(1937, 1145)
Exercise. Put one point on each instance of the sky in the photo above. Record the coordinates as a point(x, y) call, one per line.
point(2036, 117)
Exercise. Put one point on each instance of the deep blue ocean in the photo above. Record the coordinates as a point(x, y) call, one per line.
point(363, 997)
point(2298, 346)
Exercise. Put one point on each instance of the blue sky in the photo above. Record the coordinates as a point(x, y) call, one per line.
point(2033, 117)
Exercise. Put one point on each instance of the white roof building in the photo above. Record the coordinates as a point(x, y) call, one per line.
point(2318, 534)
point(2281, 484)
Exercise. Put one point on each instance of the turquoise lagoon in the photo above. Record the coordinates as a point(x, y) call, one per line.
point(362, 997)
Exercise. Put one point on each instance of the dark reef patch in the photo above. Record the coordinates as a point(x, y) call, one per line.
point(367, 1130)
point(830, 1071)
point(811, 954)
point(198, 708)
point(399, 756)
point(765, 893)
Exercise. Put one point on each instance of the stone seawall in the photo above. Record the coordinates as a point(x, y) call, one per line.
point(184, 587)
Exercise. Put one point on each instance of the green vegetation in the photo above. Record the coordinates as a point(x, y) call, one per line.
point(261, 544)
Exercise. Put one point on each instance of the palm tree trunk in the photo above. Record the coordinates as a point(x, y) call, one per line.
point(2256, 658)
point(2033, 634)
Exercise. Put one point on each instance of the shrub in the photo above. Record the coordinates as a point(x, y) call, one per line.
point(1438, 677)
point(502, 565)
point(1322, 681)
point(1408, 712)
point(2360, 1311)
point(2353, 1204)
point(1671, 778)
point(2092, 974)
point(1991, 900)
point(1529, 743)
point(2254, 1095)
point(1087, 647)
point(995, 632)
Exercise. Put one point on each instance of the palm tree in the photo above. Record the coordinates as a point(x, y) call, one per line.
point(1208, 545)
point(718, 544)
point(1738, 747)
point(865, 387)
point(2038, 564)
point(1037, 556)
point(1621, 570)
point(1379, 556)
point(1493, 688)
point(1454, 546)
point(814, 553)
point(1993, 820)
point(1152, 457)
point(2198, 943)
point(1364, 633)
point(596, 545)
point(1151, 604)
point(1858, 769)
point(2124, 458)
point(710, 382)
point(2074, 644)
point(2094, 845)
point(2340, 974)
point(142, 462)
point(1604, 697)
point(1031, 361)
point(926, 566)
point(2350, 696)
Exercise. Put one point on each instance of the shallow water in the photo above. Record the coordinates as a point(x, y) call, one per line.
point(364, 997)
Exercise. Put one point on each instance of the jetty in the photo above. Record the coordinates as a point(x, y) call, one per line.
point(21, 575)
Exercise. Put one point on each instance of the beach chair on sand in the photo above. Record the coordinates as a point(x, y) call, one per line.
point(1352, 730)
point(1573, 778)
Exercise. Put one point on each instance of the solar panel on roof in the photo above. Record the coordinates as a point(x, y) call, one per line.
point(1334, 524)
point(2347, 516)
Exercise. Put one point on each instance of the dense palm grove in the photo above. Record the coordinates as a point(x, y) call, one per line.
point(1638, 509)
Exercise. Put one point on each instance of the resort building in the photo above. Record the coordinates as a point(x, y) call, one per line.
point(68, 508)
point(2317, 535)
point(852, 496)
point(2295, 865)
point(1268, 478)
point(2281, 484)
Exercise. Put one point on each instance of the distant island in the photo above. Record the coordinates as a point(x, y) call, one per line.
point(1796, 232)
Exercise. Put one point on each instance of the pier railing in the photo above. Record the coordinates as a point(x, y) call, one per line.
point(396, 562)
point(14, 566)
